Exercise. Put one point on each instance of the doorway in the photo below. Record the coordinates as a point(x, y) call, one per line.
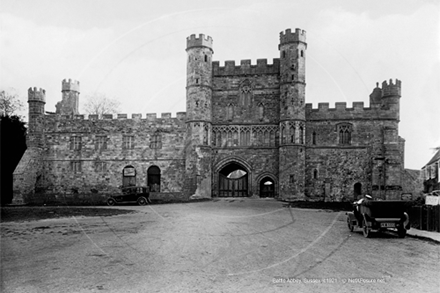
point(267, 187)
point(153, 178)
point(233, 181)
point(357, 192)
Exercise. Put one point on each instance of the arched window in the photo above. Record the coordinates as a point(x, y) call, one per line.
point(315, 174)
point(206, 134)
point(230, 113)
point(128, 176)
point(292, 134)
point(314, 138)
point(206, 58)
point(283, 134)
point(344, 132)
point(284, 54)
point(302, 53)
point(301, 134)
point(246, 93)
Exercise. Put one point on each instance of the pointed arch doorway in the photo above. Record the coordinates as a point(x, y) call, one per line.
point(267, 187)
point(233, 181)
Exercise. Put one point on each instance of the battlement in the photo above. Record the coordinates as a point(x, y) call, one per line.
point(391, 89)
point(339, 107)
point(246, 67)
point(38, 95)
point(192, 41)
point(70, 85)
point(290, 37)
point(342, 112)
point(180, 116)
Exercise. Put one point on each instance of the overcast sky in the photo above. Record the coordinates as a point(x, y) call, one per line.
point(134, 51)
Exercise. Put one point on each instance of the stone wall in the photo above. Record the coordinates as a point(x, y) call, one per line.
point(27, 175)
point(93, 167)
point(230, 94)
point(338, 169)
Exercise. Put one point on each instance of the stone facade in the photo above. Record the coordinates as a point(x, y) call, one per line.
point(247, 117)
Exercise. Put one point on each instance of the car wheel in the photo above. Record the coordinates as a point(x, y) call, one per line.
point(350, 225)
point(366, 230)
point(142, 201)
point(111, 202)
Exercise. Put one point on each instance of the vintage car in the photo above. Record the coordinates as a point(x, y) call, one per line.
point(138, 194)
point(379, 215)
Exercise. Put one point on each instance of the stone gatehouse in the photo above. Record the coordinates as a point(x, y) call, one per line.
point(247, 131)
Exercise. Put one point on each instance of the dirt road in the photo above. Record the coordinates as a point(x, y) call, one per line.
point(228, 245)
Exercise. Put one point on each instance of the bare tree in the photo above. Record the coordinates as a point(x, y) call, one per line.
point(10, 103)
point(100, 104)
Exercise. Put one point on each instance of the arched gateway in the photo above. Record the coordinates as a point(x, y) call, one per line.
point(233, 181)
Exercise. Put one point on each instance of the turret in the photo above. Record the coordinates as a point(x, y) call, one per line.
point(292, 112)
point(388, 97)
point(199, 78)
point(198, 116)
point(36, 101)
point(70, 98)
point(292, 74)
point(391, 89)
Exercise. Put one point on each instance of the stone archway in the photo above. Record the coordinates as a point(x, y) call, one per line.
point(267, 187)
point(233, 181)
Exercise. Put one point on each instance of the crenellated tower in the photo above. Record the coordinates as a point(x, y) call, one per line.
point(388, 156)
point(199, 116)
point(292, 49)
point(36, 101)
point(70, 98)
point(28, 171)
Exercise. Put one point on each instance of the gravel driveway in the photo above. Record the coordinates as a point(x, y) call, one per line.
point(226, 245)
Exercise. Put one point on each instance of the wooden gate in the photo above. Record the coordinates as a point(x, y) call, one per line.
point(229, 187)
